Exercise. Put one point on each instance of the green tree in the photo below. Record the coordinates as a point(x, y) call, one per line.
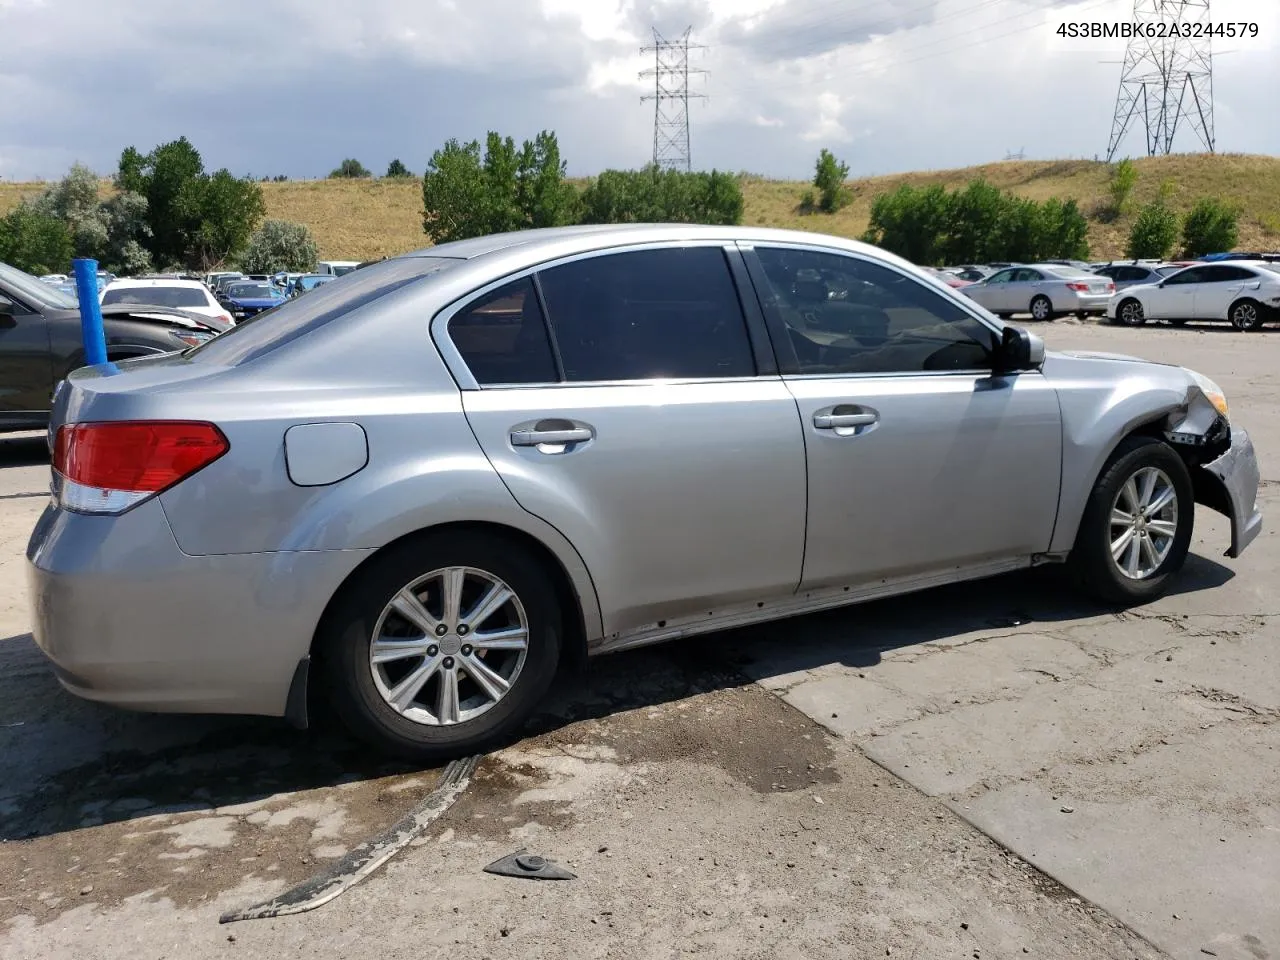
point(652, 195)
point(543, 196)
point(829, 177)
point(454, 194)
point(971, 223)
point(35, 241)
point(350, 168)
point(1211, 227)
point(1154, 232)
point(1124, 177)
point(280, 245)
point(396, 169)
point(910, 222)
point(1064, 231)
point(225, 210)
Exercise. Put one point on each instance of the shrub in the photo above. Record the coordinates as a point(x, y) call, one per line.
point(350, 168)
point(1124, 177)
point(397, 169)
point(280, 245)
point(35, 241)
point(653, 195)
point(1210, 227)
point(829, 177)
point(1154, 232)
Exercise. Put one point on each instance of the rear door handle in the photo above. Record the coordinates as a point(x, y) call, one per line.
point(833, 421)
point(534, 438)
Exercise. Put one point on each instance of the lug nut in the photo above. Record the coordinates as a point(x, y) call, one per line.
point(463, 629)
point(448, 663)
point(432, 650)
point(441, 629)
point(466, 649)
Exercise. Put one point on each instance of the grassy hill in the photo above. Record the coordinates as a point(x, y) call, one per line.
point(362, 219)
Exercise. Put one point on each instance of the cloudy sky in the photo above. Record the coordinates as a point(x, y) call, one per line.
point(291, 87)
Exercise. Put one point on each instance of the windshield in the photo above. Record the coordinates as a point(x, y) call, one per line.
point(156, 296)
point(295, 318)
point(35, 290)
point(342, 271)
point(252, 291)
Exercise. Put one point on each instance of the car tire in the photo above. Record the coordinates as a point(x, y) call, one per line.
point(1004, 316)
point(1246, 315)
point(1041, 308)
point(1099, 560)
point(1130, 313)
point(360, 690)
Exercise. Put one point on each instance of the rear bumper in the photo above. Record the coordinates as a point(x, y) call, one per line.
point(1085, 302)
point(129, 619)
point(1236, 476)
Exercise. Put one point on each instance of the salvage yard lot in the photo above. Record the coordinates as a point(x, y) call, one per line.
point(973, 772)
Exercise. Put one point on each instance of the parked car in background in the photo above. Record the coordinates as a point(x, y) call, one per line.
point(1075, 264)
point(54, 278)
point(417, 491)
point(336, 268)
point(248, 298)
point(41, 341)
point(1126, 275)
point(309, 281)
point(1044, 290)
point(190, 295)
point(949, 278)
point(284, 279)
point(211, 279)
point(971, 272)
point(1272, 257)
point(1245, 293)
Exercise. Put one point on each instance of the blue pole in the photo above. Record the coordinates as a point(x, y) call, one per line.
point(95, 338)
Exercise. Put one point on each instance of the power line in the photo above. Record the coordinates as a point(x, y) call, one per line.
point(1167, 76)
point(671, 99)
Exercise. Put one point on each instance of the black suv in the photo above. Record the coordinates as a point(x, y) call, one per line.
point(40, 342)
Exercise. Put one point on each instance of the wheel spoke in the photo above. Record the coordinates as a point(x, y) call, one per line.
point(1121, 543)
point(1162, 500)
point(447, 698)
point(493, 601)
point(1120, 518)
point(1149, 555)
point(516, 638)
point(1134, 555)
point(1148, 489)
point(402, 695)
point(486, 679)
point(388, 651)
point(451, 584)
point(1130, 493)
point(1162, 528)
point(410, 607)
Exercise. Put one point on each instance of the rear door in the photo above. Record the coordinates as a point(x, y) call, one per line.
point(1219, 287)
point(26, 371)
point(1024, 287)
point(651, 432)
point(921, 462)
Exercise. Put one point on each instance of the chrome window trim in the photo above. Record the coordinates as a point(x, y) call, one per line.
point(439, 326)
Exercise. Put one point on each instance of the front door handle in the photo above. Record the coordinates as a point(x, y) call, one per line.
point(833, 421)
point(534, 438)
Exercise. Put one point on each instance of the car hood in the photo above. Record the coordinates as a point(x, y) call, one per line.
point(1101, 355)
point(262, 302)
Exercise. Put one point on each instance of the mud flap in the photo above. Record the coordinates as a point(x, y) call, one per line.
point(1233, 481)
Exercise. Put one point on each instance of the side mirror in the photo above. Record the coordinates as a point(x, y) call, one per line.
point(1018, 350)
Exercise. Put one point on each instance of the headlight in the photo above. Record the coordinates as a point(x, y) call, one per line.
point(1212, 392)
point(191, 338)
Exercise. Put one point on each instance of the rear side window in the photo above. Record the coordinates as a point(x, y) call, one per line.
point(648, 314)
point(157, 296)
point(503, 337)
point(295, 318)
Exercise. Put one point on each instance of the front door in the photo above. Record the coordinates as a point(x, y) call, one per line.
point(995, 295)
point(920, 461)
point(26, 371)
point(676, 471)
point(1175, 297)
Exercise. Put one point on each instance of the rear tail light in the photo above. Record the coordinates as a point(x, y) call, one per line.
point(1079, 287)
point(110, 467)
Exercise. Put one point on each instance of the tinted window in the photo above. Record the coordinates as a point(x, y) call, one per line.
point(846, 315)
point(157, 296)
point(1191, 275)
point(295, 318)
point(503, 338)
point(1004, 276)
point(1237, 273)
point(1028, 276)
point(648, 314)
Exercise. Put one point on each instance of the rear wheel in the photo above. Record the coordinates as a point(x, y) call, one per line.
point(442, 646)
point(1137, 524)
point(1246, 315)
point(1041, 308)
point(1130, 313)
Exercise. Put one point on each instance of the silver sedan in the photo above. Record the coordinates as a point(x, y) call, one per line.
point(416, 491)
point(1044, 290)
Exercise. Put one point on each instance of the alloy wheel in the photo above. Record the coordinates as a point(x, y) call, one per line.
point(1144, 523)
point(1132, 314)
point(449, 646)
point(1245, 316)
point(1040, 308)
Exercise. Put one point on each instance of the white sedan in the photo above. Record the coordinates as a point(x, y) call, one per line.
point(189, 295)
point(1244, 292)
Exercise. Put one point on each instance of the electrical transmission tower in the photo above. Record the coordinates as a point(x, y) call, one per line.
point(1167, 77)
point(671, 99)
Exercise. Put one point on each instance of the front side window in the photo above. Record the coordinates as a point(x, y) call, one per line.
point(1193, 275)
point(502, 337)
point(1004, 276)
point(669, 313)
point(847, 315)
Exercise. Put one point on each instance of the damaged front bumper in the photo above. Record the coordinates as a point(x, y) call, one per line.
point(1229, 485)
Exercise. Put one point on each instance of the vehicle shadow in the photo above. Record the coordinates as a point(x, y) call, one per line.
point(23, 450)
point(67, 764)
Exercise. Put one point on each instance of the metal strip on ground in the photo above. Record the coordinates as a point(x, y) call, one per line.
point(367, 857)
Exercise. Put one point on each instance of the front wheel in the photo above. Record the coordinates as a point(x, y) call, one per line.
point(441, 647)
point(1137, 524)
point(1246, 315)
point(1131, 313)
point(1041, 309)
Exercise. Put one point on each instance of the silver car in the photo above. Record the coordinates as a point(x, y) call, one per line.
point(417, 490)
point(1044, 290)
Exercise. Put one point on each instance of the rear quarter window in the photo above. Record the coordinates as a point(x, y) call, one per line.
point(269, 331)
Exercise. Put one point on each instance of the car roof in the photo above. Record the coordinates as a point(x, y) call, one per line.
point(156, 282)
